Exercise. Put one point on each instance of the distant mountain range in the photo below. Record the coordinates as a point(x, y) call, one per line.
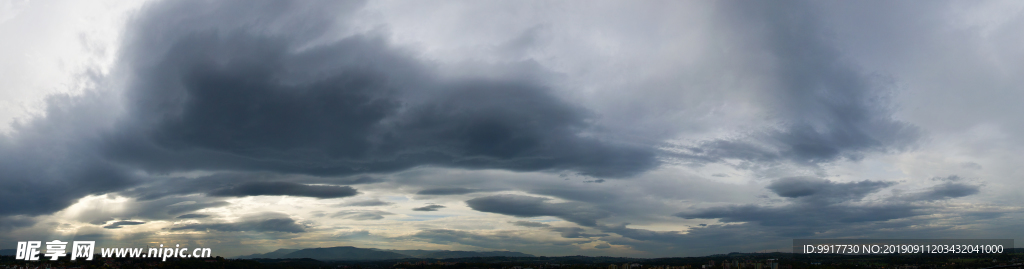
point(277, 254)
point(448, 254)
point(371, 254)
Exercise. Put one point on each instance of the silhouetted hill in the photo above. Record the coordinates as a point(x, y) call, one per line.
point(277, 254)
point(447, 254)
point(345, 253)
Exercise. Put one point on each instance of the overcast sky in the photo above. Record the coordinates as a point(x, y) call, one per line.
point(629, 128)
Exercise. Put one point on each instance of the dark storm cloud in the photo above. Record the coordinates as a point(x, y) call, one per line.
point(220, 96)
point(828, 108)
point(118, 224)
point(529, 224)
point(265, 222)
point(49, 163)
point(429, 208)
point(447, 191)
point(530, 206)
point(285, 188)
point(824, 191)
point(237, 86)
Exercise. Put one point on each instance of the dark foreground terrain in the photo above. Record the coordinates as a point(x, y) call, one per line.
point(721, 261)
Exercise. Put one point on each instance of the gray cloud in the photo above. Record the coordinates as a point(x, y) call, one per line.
point(428, 208)
point(360, 234)
point(118, 224)
point(228, 182)
point(8, 223)
point(529, 224)
point(828, 109)
point(362, 215)
point(48, 163)
point(234, 86)
point(827, 199)
point(447, 191)
point(574, 232)
point(166, 208)
point(824, 191)
point(246, 101)
point(285, 188)
point(948, 178)
point(266, 222)
point(235, 98)
point(947, 190)
point(708, 239)
point(824, 217)
point(367, 203)
point(192, 216)
point(182, 208)
point(530, 206)
point(818, 205)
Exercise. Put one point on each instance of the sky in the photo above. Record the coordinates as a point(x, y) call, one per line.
point(600, 128)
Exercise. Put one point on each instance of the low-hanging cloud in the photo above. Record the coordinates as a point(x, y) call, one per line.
point(447, 191)
point(285, 188)
point(816, 190)
point(531, 206)
point(362, 215)
point(819, 205)
point(373, 202)
point(429, 208)
point(118, 224)
point(258, 223)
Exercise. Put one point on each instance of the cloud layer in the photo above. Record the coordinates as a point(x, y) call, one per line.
point(640, 129)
